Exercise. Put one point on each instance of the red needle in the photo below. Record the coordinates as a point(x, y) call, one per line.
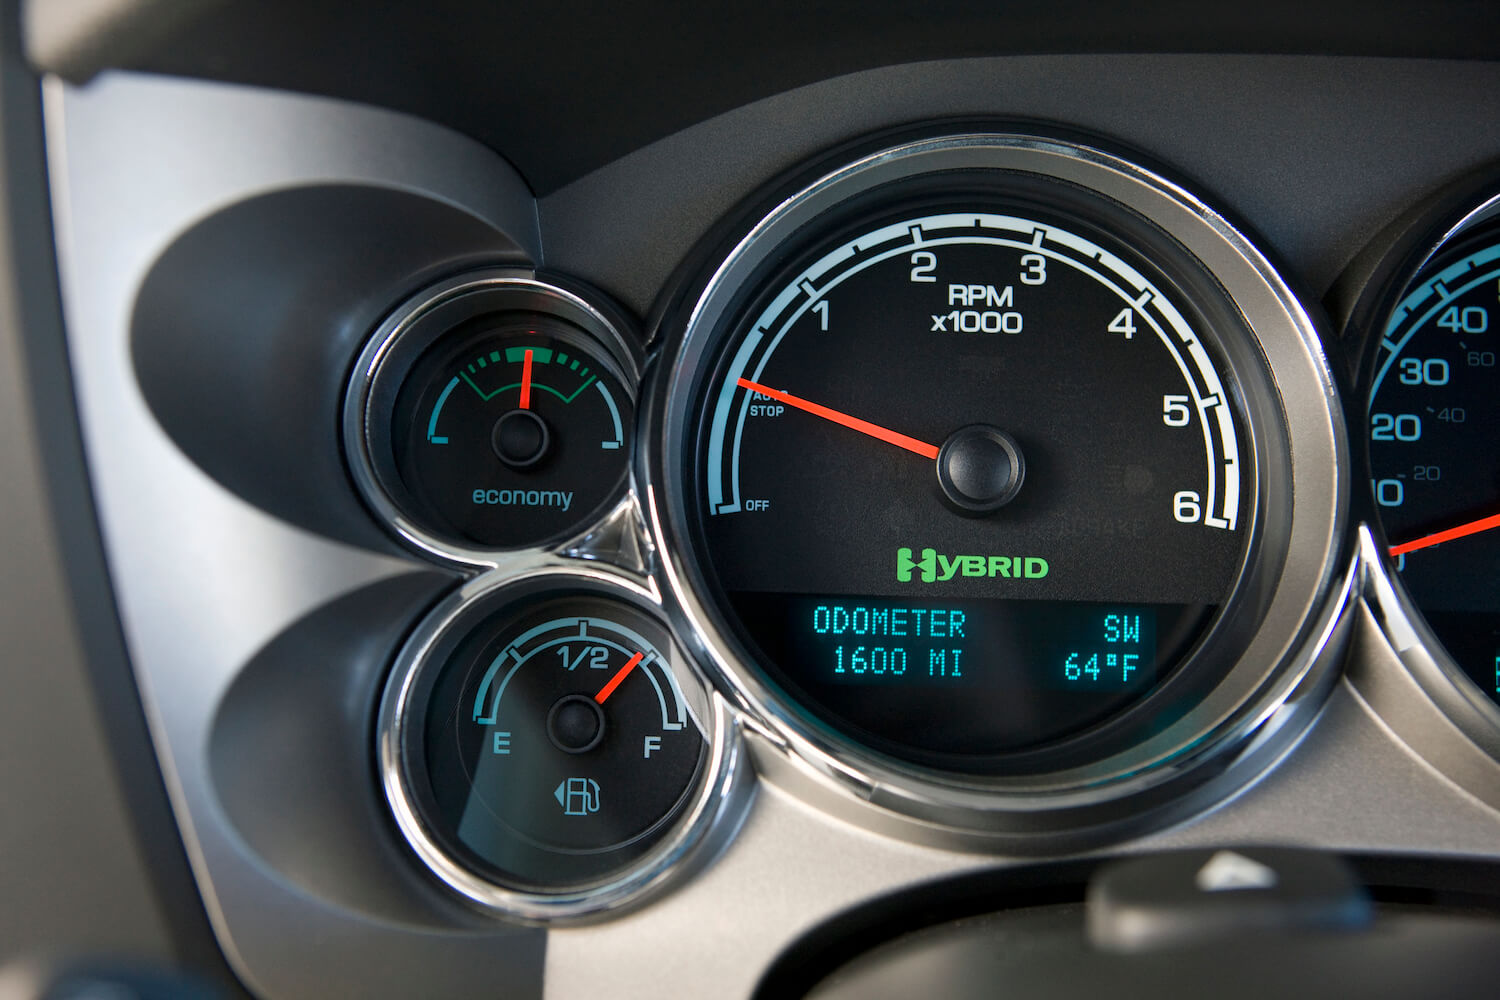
point(526, 381)
point(618, 678)
point(1437, 538)
point(853, 423)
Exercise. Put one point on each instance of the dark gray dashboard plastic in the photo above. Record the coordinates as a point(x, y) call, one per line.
point(1316, 154)
point(566, 88)
point(1042, 952)
point(246, 328)
point(289, 752)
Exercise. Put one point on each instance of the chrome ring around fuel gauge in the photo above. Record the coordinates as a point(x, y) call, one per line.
point(498, 833)
point(1265, 664)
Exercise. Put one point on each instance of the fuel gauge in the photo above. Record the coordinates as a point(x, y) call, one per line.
point(544, 742)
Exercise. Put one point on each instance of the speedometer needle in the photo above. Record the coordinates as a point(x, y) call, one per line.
point(853, 423)
point(1437, 538)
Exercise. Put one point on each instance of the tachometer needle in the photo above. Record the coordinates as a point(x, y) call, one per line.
point(526, 381)
point(1437, 538)
point(853, 423)
point(618, 678)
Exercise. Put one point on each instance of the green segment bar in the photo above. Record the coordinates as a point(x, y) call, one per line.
point(539, 355)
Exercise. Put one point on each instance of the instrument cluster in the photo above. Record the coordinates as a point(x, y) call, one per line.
point(993, 475)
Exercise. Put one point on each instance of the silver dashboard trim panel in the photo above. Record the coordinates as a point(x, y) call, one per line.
point(204, 580)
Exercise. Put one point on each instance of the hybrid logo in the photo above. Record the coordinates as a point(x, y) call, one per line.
point(934, 568)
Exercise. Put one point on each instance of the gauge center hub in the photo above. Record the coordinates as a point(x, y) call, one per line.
point(521, 439)
point(980, 468)
point(575, 724)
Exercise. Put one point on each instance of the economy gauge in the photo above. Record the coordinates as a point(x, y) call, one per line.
point(988, 471)
point(492, 413)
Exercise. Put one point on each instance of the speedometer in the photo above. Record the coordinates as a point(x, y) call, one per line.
point(1433, 409)
point(987, 473)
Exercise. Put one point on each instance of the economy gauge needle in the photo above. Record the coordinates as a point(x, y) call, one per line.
point(1437, 538)
point(526, 381)
point(853, 423)
point(618, 678)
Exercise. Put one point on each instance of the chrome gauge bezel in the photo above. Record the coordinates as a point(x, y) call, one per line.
point(1472, 718)
point(403, 337)
point(723, 785)
point(1277, 683)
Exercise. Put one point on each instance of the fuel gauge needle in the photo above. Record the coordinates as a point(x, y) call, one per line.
point(618, 678)
point(1437, 538)
point(843, 419)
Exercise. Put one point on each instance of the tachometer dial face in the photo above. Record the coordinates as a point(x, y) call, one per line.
point(971, 474)
point(1434, 447)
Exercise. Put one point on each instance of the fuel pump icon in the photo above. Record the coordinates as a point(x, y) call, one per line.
point(577, 796)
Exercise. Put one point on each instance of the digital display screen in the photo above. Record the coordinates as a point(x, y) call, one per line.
point(968, 677)
point(1089, 648)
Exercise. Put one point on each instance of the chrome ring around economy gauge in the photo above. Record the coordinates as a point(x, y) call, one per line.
point(513, 844)
point(934, 255)
point(430, 429)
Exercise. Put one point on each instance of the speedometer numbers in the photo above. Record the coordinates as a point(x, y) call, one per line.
point(1433, 409)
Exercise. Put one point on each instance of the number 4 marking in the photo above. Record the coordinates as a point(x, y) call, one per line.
point(1124, 323)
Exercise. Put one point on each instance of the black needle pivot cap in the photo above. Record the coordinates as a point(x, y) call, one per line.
point(980, 468)
point(521, 439)
point(575, 724)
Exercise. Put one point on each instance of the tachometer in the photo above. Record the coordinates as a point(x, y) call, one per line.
point(973, 480)
point(988, 476)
